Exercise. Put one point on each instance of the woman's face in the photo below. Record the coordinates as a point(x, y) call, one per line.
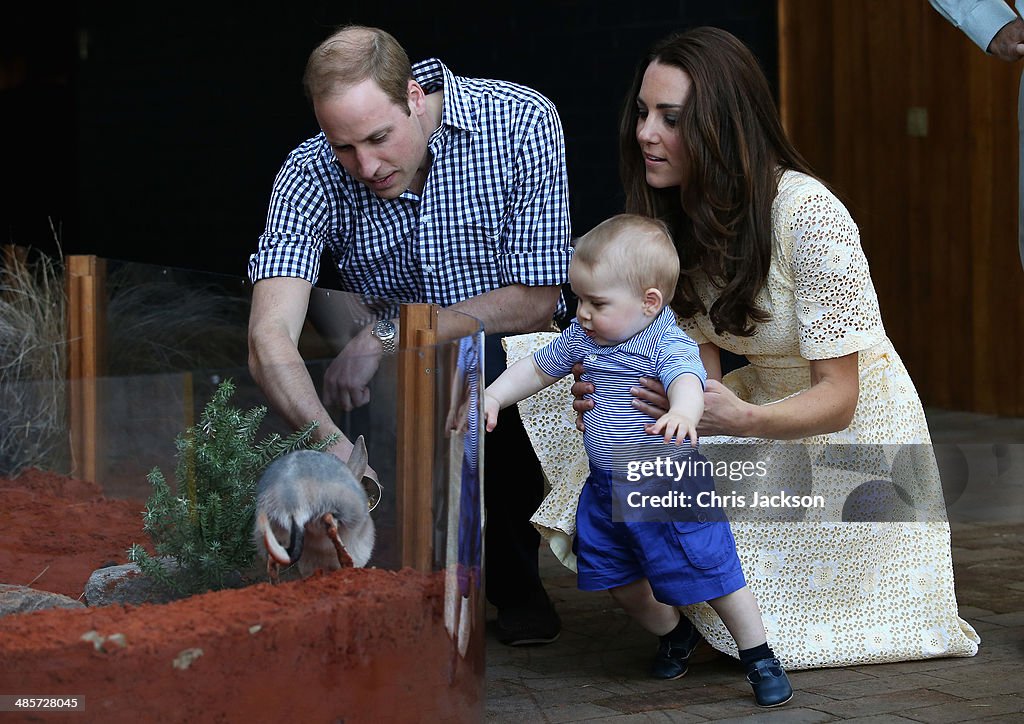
point(663, 92)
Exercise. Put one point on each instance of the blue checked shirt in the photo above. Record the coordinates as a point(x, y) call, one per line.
point(661, 350)
point(494, 209)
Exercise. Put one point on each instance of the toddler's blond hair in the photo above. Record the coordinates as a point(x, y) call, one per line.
point(636, 249)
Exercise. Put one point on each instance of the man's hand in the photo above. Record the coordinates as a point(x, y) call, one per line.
point(343, 451)
point(347, 380)
point(457, 419)
point(1008, 43)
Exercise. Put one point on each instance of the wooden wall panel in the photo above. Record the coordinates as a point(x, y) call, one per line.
point(805, 84)
point(938, 212)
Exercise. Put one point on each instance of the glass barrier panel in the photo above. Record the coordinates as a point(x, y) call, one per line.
point(166, 339)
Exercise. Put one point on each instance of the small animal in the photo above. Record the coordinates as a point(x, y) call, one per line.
point(312, 509)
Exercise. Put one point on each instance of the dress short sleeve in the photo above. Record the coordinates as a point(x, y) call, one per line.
point(836, 305)
point(692, 330)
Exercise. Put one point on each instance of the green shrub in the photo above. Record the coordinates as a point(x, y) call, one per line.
point(207, 526)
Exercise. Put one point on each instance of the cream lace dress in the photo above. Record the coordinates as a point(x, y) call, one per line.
point(832, 592)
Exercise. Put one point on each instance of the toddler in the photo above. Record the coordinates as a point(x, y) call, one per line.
point(624, 273)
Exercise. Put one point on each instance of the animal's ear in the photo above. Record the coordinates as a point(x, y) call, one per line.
point(357, 460)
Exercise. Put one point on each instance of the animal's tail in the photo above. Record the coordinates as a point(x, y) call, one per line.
point(296, 541)
point(281, 555)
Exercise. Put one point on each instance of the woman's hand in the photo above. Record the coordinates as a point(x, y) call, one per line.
point(579, 389)
point(724, 412)
point(651, 398)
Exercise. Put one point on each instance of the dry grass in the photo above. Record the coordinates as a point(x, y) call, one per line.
point(157, 325)
point(33, 407)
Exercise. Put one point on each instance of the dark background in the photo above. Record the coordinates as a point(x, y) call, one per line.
point(153, 133)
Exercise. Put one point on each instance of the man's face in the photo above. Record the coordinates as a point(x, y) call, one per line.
point(379, 143)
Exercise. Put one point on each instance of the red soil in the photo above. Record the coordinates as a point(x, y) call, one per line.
point(58, 530)
point(353, 645)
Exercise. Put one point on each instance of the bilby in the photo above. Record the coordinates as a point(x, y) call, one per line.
point(312, 508)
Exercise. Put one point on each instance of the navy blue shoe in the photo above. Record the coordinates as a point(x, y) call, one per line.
point(671, 660)
point(770, 683)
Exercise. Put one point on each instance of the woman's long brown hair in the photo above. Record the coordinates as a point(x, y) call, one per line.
point(721, 221)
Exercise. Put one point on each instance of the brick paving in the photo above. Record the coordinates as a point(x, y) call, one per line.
point(596, 670)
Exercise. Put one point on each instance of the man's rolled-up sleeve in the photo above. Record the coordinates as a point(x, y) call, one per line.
point(292, 242)
point(536, 245)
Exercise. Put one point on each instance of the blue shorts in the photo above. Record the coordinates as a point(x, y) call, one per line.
point(685, 562)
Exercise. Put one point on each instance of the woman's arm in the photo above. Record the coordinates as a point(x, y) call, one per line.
point(711, 357)
point(826, 406)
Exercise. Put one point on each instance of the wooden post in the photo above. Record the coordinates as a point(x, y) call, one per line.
point(86, 288)
point(417, 372)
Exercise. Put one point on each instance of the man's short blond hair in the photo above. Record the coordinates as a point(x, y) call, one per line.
point(356, 53)
point(636, 249)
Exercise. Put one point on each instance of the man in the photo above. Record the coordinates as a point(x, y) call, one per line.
point(997, 30)
point(424, 186)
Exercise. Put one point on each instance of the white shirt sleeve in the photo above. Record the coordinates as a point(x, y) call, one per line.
point(980, 20)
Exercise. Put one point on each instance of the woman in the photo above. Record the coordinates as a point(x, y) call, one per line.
point(773, 270)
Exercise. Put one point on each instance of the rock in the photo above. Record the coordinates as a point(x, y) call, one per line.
point(105, 643)
point(22, 599)
point(125, 584)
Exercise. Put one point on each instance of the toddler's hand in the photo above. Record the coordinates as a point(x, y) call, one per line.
point(491, 409)
point(674, 425)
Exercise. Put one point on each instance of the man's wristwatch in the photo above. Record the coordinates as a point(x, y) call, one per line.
point(385, 331)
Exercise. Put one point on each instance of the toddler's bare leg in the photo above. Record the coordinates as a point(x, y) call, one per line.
point(742, 616)
point(639, 602)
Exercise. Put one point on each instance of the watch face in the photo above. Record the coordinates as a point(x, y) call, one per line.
point(384, 329)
